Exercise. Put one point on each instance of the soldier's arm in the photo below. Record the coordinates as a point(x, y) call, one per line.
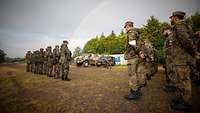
point(184, 38)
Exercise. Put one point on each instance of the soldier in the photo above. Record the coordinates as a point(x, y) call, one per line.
point(65, 57)
point(56, 57)
point(49, 62)
point(131, 54)
point(196, 80)
point(168, 59)
point(41, 63)
point(45, 67)
point(28, 61)
point(149, 54)
point(37, 61)
point(184, 46)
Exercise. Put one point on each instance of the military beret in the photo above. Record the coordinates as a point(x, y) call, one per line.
point(178, 13)
point(129, 23)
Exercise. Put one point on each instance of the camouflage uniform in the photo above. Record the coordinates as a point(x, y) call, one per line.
point(132, 57)
point(183, 45)
point(168, 49)
point(149, 54)
point(45, 66)
point(65, 57)
point(50, 62)
point(28, 61)
point(41, 63)
point(56, 57)
point(37, 62)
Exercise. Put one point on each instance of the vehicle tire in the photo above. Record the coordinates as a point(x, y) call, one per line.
point(86, 64)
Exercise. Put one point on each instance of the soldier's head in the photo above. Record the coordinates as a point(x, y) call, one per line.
point(57, 46)
point(177, 16)
point(28, 51)
point(167, 30)
point(41, 49)
point(65, 42)
point(49, 48)
point(128, 26)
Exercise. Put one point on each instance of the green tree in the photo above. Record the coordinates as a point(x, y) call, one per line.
point(77, 52)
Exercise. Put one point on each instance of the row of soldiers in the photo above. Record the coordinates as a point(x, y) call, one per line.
point(51, 63)
point(181, 60)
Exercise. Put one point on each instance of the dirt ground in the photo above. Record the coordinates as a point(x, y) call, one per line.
point(91, 90)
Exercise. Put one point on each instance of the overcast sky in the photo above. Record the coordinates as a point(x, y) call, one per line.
point(32, 24)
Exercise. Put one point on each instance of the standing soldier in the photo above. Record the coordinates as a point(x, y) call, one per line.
point(131, 54)
point(41, 63)
point(149, 54)
point(56, 57)
point(65, 57)
point(45, 66)
point(28, 61)
point(49, 61)
point(184, 46)
point(168, 51)
point(37, 61)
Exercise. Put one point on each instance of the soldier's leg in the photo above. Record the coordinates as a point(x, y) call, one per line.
point(132, 73)
point(184, 89)
point(61, 71)
point(27, 67)
point(53, 71)
point(57, 70)
point(141, 74)
point(66, 71)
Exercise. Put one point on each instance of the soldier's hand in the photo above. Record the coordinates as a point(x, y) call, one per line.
point(197, 56)
point(141, 55)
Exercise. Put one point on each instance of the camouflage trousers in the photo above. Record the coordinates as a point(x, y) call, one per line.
point(64, 70)
point(183, 83)
point(28, 67)
point(41, 68)
point(55, 71)
point(45, 68)
point(49, 69)
point(137, 77)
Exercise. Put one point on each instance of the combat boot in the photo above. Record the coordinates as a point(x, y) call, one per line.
point(180, 104)
point(133, 95)
point(169, 88)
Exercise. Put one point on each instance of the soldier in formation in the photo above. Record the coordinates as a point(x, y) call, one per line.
point(51, 63)
point(179, 67)
point(28, 61)
point(64, 61)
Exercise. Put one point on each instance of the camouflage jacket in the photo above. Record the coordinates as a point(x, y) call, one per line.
point(183, 46)
point(130, 50)
point(65, 55)
point(28, 57)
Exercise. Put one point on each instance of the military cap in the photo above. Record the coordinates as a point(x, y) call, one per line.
point(129, 23)
point(178, 13)
point(41, 49)
point(65, 41)
point(56, 45)
point(49, 47)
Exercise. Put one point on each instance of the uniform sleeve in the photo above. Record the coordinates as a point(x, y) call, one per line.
point(132, 37)
point(184, 38)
